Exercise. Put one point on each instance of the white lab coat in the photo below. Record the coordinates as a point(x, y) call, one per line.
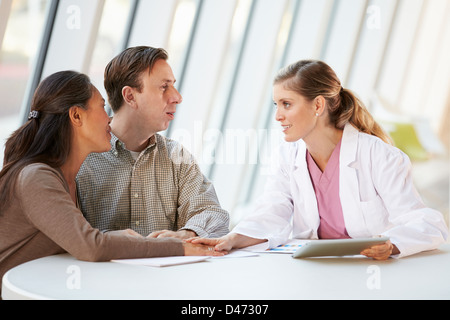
point(376, 191)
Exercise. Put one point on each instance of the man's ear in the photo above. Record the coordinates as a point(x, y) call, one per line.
point(76, 116)
point(128, 95)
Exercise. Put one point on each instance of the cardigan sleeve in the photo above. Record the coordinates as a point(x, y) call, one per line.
point(48, 206)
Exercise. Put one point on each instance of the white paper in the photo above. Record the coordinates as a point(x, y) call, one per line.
point(163, 261)
point(290, 247)
point(237, 254)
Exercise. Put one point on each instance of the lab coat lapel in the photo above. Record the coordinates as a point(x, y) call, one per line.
point(305, 190)
point(348, 183)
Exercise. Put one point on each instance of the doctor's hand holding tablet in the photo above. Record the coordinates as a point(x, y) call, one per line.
point(337, 175)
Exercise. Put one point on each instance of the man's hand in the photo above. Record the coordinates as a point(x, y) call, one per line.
point(181, 234)
point(127, 232)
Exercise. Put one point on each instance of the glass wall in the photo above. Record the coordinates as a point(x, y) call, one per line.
point(224, 53)
point(21, 27)
point(110, 38)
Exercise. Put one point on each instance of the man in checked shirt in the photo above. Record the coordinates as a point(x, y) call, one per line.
point(147, 182)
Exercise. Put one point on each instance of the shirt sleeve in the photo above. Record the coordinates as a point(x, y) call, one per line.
point(50, 209)
point(199, 209)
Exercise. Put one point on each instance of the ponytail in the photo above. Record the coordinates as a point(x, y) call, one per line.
point(352, 110)
point(16, 148)
point(19, 142)
point(313, 78)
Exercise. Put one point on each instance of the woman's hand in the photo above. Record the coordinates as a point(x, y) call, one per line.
point(381, 251)
point(191, 249)
point(219, 244)
point(228, 242)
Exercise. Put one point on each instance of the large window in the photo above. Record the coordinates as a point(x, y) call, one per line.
point(110, 38)
point(21, 26)
point(225, 53)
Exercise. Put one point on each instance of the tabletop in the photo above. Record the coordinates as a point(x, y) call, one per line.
point(267, 276)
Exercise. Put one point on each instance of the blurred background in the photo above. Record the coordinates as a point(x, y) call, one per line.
point(394, 54)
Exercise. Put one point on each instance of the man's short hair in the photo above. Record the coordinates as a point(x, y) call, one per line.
point(126, 69)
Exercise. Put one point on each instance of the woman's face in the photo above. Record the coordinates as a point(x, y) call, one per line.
point(295, 113)
point(96, 130)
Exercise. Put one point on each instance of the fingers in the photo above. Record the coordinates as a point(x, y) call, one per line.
point(218, 244)
point(223, 246)
point(205, 241)
point(156, 234)
point(213, 252)
point(379, 252)
point(126, 232)
point(165, 234)
point(181, 234)
point(191, 249)
point(132, 233)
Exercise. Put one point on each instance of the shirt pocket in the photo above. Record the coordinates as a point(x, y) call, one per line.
point(375, 215)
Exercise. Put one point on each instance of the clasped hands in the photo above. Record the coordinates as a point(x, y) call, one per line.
point(190, 249)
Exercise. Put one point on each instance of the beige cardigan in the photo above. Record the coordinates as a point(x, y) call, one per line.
point(44, 221)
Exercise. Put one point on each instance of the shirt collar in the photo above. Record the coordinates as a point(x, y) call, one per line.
point(118, 146)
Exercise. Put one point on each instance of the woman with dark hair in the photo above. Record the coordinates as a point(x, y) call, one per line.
point(337, 177)
point(39, 214)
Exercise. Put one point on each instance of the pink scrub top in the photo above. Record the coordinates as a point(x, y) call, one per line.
point(326, 187)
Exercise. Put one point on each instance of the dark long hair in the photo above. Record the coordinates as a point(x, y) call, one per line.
point(313, 78)
point(46, 137)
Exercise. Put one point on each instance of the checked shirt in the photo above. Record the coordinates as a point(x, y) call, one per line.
point(163, 189)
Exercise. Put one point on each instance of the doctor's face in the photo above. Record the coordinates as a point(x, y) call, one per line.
point(295, 113)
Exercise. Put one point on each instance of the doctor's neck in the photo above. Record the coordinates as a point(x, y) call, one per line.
point(321, 143)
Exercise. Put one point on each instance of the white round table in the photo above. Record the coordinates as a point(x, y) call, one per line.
point(267, 276)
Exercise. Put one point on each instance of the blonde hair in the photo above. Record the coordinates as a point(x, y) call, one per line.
point(313, 78)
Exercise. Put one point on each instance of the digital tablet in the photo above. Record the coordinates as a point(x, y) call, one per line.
point(338, 247)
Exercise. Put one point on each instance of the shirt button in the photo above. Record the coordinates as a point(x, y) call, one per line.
point(136, 195)
point(137, 223)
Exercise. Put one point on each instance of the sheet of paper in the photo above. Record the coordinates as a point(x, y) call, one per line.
point(163, 261)
point(290, 247)
point(237, 254)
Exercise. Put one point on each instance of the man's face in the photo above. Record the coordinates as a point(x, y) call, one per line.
point(158, 99)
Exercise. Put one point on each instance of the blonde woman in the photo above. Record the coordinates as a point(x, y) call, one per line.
point(338, 175)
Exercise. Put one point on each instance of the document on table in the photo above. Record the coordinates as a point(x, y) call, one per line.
point(163, 261)
point(237, 254)
point(290, 247)
point(178, 260)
